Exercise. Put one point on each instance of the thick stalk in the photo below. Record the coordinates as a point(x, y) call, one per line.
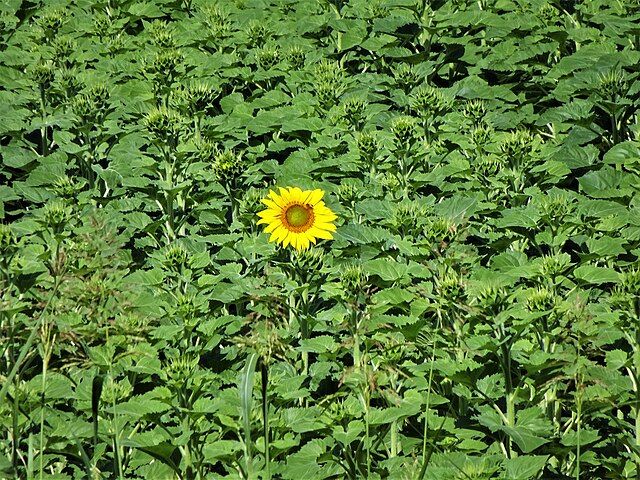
point(635, 375)
point(44, 142)
point(265, 419)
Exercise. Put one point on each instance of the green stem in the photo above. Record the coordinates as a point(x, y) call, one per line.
point(356, 350)
point(47, 350)
point(26, 348)
point(304, 327)
point(394, 438)
point(367, 437)
point(44, 142)
point(636, 374)
point(265, 417)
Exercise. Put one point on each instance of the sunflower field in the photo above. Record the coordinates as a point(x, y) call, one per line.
point(319, 239)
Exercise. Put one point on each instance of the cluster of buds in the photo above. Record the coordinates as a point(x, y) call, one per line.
point(161, 35)
point(216, 20)
point(227, 165)
point(268, 56)
point(613, 84)
point(187, 307)
point(540, 299)
point(378, 9)
point(165, 63)
point(328, 82)
point(181, 369)
point(408, 218)
point(630, 280)
point(250, 203)
point(516, 146)
point(449, 285)
point(489, 165)
point(115, 391)
point(349, 193)
point(63, 48)
point(7, 240)
point(165, 124)
point(66, 187)
point(440, 230)
point(548, 13)
point(430, 102)
point(368, 146)
point(353, 280)
point(404, 132)
point(554, 265)
point(296, 57)
point(309, 260)
point(474, 110)
point(43, 74)
point(55, 215)
point(490, 297)
point(92, 106)
point(197, 97)
point(50, 24)
point(405, 76)
point(556, 205)
point(481, 135)
point(257, 33)
point(103, 25)
point(353, 111)
point(176, 257)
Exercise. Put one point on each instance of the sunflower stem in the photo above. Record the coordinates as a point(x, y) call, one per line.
point(304, 327)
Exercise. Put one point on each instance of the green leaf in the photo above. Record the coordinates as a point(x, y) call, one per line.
point(606, 246)
point(218, 449)
point(320, 344)
point(410, 405)
point(138, 407)
point(245, 390)
point(360, 234)
point(616, 359)
point(524, 438)
point(625, 153)
point(586, 436)
point(457, 208)
point(304, 462)
point(145, 10)
point(386, 268)
point(607, 183)
point(524, 467)
point(596, 275)
point(302, 420)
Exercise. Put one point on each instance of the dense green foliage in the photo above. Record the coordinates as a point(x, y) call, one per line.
point(476, 316)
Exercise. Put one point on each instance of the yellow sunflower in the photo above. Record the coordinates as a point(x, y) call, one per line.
point(297, 217)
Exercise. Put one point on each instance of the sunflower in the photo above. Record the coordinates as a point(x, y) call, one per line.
point(297, 217)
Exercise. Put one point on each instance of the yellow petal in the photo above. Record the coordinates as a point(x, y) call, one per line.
point(325, 226)
point(277, 199)
point(271, 205)
point(296, 195)
point(285, 194)
point(323, 219)
point(287, 240)
point(277, 234)
point(271, 227)
point(320, 233)
point(314, 196)
point(269, 213)
point(293, 239)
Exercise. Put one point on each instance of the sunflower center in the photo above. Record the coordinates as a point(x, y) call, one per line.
point(299, 217)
